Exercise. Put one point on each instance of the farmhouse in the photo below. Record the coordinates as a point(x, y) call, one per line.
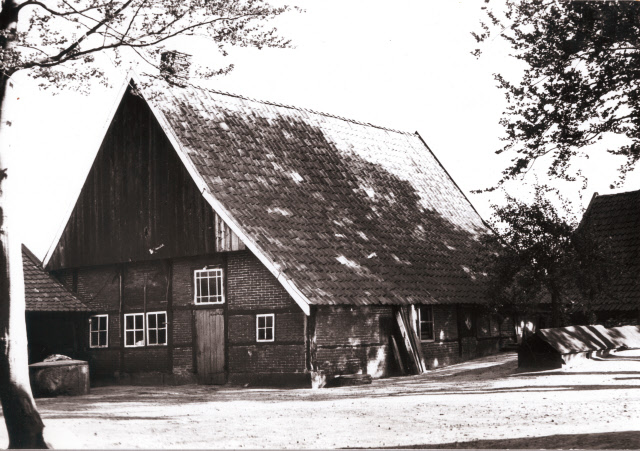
point(613, 219)
point(222, 239)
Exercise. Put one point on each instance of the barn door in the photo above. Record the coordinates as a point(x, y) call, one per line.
point(210, 353)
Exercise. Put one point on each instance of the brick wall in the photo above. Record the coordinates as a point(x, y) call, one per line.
point(445, 348)
point(145, 285)
point(252, 287)
point(182, 328)
point(104, 362)
point(145, 359)
point(252, 290)
point(266, 358)
point(441, 353)
point(353, 339)
point(99, 287)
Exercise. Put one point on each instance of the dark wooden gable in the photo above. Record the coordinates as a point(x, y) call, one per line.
point(138, 201)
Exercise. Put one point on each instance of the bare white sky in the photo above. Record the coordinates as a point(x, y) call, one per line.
point(404, 65)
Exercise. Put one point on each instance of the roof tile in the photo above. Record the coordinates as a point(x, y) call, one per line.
point(353, 213)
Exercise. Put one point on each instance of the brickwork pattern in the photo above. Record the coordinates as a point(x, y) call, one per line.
point(252, 287)
point(149, 358)
point(289, 328)
point(354, 339)
point(338, 325)
point(183, 359)
point(104, 362)
point(99, 287)
point(182, 327)
point(267, 358)
point(441, 353)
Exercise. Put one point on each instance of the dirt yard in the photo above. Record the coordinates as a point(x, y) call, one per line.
point(483, 403)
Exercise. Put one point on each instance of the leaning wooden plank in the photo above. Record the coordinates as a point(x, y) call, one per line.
point(415, 341)
point(414, 365)
point(396, 354)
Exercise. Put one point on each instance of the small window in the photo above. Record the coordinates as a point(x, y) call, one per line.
point(134, 329)
point(265, 327)
point(156, 329)
point(99, 331)
point(208, 286)
point(424, 322)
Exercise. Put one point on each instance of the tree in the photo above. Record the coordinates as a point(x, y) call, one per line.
point(580, 82)
point(57, 42)
point(542, 256)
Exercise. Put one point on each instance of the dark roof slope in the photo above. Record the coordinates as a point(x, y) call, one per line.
point(616, 218)
point(351, 213)
point(43, 293)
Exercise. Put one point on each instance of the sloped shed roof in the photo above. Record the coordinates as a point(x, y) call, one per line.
point(350, 213)
point(572, 339)
point(43, 293)
point(616, 218)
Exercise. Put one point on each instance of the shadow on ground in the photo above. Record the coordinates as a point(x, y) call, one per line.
point(604, 440)
point(470, 378)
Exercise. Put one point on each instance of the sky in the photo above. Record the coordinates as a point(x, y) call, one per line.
point(405, 65)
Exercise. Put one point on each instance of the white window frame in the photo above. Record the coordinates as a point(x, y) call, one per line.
point(273, 328)
point(91, 332)
point(134, 330)
point(165, 328)
point(419, 322)
point(197, 298)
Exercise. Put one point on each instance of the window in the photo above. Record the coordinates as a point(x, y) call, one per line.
point(424, 322)
point(99, 331)
point(265, 327)
point(134, 329)
point(156, 329)
point(208, 286)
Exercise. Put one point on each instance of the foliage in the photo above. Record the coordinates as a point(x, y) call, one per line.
point(542, 257)
point(59, 40)
point(581, 80)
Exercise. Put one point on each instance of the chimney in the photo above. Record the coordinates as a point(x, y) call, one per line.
point(174, 67)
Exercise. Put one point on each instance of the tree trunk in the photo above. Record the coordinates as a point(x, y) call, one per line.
point(24, 425)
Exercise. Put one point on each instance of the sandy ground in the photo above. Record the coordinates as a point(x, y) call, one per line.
point(483, 403)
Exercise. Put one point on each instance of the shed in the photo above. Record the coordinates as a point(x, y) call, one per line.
point(56, 318)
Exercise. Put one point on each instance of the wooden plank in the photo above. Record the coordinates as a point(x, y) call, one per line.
point(211, 346)
point(127, 207)
point(415, 340)
point(396, 354)
point(218, 345)
point(414, 364)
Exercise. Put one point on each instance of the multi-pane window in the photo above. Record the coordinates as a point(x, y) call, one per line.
point(156, 328)
point(209, 286)
point(424, 322)
point(265, 327)
point(134, 329)
point(99, 331)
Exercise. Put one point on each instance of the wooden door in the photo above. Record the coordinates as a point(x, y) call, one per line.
point(210, 353)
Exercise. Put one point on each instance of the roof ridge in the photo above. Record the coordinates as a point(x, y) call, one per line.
point(617, 194)
point(293, 107)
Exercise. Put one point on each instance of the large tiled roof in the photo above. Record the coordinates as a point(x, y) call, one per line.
point(43, 293)
point(350, 212)
point(616, 219)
